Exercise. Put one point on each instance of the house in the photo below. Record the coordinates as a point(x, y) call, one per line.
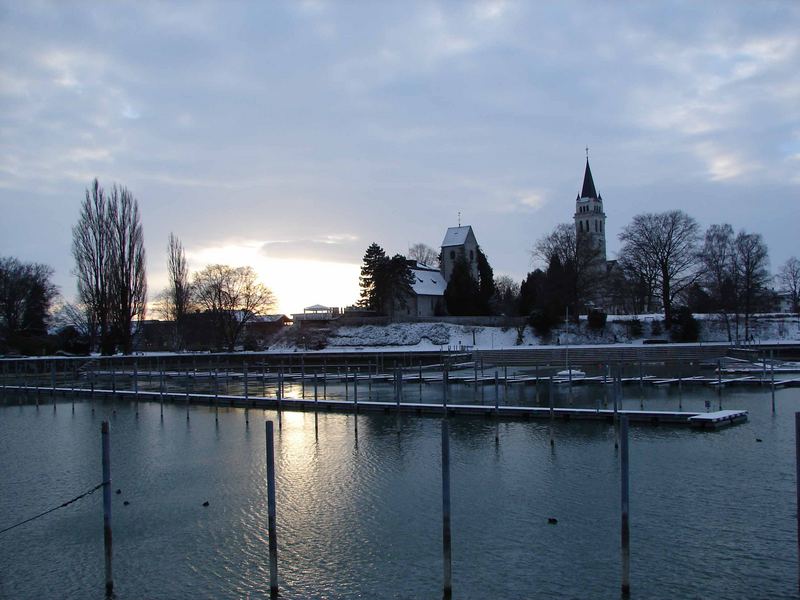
point(261, 328)
point(428, 286)
point(317, 314)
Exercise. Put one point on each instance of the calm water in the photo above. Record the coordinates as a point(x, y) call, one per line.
point(359, 514)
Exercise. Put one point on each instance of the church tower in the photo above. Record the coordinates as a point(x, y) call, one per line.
point(589, 216)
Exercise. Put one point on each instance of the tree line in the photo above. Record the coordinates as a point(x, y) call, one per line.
point(386, 283)
point(666, 264)
point(110, 270)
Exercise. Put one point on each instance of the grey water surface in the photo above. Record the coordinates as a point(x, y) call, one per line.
point(713, 514)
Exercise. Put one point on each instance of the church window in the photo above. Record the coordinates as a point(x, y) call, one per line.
point(452, 254)
point(471, 256)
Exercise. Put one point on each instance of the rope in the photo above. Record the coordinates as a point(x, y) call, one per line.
point(47, 512)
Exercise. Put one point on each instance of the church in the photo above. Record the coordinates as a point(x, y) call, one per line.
point(590, 219)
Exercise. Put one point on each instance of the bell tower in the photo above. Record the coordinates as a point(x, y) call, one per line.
point(589, 216)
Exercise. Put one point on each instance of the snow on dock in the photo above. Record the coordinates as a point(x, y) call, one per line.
point(709, 420)
point(718, 419)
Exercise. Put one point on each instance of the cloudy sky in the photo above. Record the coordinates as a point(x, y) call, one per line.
point(289, 136)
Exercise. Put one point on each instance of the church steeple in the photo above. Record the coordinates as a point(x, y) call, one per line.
point(589, 216)
point(588, 190)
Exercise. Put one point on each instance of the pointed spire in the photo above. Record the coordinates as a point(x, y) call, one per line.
point(588, 190)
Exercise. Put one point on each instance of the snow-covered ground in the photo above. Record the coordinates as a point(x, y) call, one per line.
point(434, 336)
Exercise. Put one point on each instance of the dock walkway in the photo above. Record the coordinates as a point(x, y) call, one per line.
point(713, 420)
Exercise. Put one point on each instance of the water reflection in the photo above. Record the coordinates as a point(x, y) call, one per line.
point(359, 514)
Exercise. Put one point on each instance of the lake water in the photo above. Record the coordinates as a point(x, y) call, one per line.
point(359, 512)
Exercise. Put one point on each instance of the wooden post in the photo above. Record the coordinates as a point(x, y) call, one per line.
point(355, 388)
point(797, 483)
point(446, 547)
point(316, 390)
point(107, 540)
point(552, 412)
point(496, 392)
point(303, 376)
point(626, 549)
point(52, 378)
point(347, 384)
point(246, 386)
point(772, 372)
point(216, 395)
point(273, 540)
point(136, 381)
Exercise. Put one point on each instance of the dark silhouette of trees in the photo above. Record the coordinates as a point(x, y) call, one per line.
point(371, 294)
point(26, 294)
point(231, 297)
point(663, 245)
point(422, 253)
point(386, 283)
point(506, 296)
point(751, 260)
point(789, 280)
point(174, 302)
point(717, 258)
point(581, 262)
point(464, 296)
point(108, 247)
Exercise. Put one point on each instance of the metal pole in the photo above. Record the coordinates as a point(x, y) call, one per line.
point(273, 540)
point(797, 481)
point(772, 371)
point(246, 387)
point(626, 549)
point(355, 388)
point(446, 547)
point(107, 541)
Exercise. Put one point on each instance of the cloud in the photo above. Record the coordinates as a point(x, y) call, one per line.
point(342, 248)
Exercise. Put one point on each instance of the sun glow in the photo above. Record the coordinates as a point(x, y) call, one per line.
point(296, 283)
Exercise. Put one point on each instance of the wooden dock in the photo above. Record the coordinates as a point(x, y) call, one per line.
point(708, 420)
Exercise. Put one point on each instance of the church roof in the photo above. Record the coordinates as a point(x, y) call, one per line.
point(588, 190)
point(456, 236)
point(428, 282)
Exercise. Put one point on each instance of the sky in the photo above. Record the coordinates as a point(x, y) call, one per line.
point(290, 135)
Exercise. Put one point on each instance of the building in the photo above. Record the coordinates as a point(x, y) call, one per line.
point(429, 285)
point(459, 242)
point(589, 216)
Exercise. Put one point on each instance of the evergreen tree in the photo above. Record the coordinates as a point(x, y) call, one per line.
point(374, 258)
point(461, 294)
point(385, 282)
point(485, 284)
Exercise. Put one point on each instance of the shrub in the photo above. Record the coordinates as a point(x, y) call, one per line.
point(541, 322)
point(635, 328)
point(597, 319)
point(685, 327)
point(655, 328)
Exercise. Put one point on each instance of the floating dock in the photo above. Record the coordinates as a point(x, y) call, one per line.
point(706, 420)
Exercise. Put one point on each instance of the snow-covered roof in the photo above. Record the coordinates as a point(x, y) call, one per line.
point(269, 318)
point(428, 282)
point(456, 236)
point(316, 307)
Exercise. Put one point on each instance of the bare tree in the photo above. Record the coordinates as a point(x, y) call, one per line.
point(667, 244)
point(751, 260)
point(424, 254)
point(637, 279)
point(789, 279)
point(108, 247)
point(91, 250)
point(581, 260)
point(173, 302)
point(719, 273)
point(231, 296)
point(128, 291)
point(26, 293)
